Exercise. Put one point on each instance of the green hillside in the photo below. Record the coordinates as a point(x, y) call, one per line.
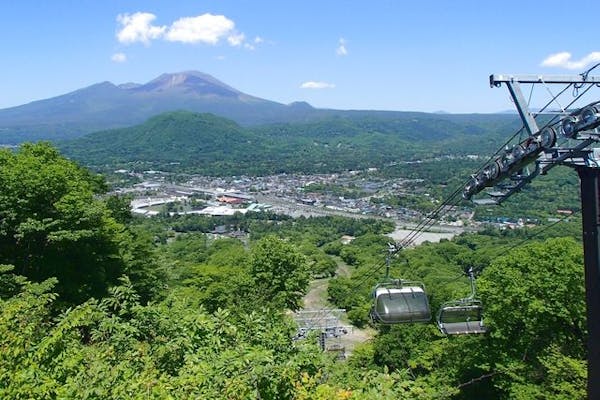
point(204, 143)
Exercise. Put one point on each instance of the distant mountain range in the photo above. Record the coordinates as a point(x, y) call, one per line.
point(106, 105)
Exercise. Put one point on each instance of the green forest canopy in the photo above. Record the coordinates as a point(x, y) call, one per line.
point(94, 305)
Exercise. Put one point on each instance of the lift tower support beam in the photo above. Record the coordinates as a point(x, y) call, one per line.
point(586, 161)
point(590, 210)
point(521, 104)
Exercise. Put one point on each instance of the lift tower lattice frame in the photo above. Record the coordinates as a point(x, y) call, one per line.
point(579, 126)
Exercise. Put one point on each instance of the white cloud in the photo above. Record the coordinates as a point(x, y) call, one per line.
point(236, 39)
point(206, 28)
point(138, 28)
point(341, 49)
point(563, 60)
point(119, 57)
point(317, 85)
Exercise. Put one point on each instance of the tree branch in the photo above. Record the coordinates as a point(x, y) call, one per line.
point(482, 377)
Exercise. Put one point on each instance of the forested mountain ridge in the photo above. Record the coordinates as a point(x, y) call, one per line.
point(179, 136)
point(204, 143)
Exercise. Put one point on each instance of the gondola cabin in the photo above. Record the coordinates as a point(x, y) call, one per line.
point(400, 302)
point(459, 318)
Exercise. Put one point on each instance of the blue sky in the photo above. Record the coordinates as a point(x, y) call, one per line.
point(376, 54)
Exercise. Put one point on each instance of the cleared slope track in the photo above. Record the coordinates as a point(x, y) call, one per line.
point(316, 299)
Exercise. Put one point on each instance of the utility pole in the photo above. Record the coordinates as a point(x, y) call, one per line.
point(536, 155)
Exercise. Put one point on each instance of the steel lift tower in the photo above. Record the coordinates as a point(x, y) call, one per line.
point(577, 129)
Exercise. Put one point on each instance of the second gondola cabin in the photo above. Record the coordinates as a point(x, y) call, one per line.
point(461, 317)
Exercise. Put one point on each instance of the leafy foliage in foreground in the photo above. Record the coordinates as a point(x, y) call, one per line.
point(220, 331)
point(53, 225)
point(117, 348)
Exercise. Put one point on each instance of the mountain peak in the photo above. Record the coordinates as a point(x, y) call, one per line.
point(193, 82)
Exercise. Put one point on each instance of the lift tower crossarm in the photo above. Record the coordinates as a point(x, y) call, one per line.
point(513, 82)
point(497, 79)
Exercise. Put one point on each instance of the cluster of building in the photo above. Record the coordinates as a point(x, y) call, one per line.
point(151, 198)
point(353, 192)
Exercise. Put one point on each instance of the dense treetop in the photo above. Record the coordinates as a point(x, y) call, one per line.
point(52, 225)
point(95, 304)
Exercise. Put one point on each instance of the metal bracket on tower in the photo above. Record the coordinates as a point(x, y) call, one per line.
point(512, 164)
point(581, 125)
point(498, 79)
